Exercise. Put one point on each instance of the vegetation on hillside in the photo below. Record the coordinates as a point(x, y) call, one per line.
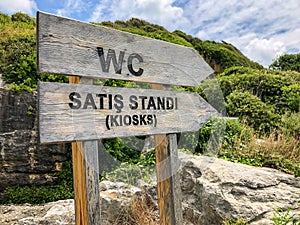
point(266, 101)
point(18, 53)
point(287, 62)
point(218, 55)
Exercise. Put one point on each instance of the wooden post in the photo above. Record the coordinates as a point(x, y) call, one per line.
point(63, 48)
point(86, 177)
point(168, 183)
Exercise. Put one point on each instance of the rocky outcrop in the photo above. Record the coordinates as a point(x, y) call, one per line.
point(22, 159)
point(213, 190)
point(54, 213)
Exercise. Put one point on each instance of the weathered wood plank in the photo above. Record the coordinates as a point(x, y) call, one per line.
point(86, 177)
point(71, 47)
point(79, 180)
point(90, 150)
point(168, 183)
point(65, 116)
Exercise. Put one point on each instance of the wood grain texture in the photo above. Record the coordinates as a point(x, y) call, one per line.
point(90, 149)
point(79, 180)
point(86, 177)
point(69, 47)
point(168, 182)
point(59, 123)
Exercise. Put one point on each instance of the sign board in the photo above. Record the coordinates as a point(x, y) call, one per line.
point(70, 47)
point(76, 112)
point(81, 112)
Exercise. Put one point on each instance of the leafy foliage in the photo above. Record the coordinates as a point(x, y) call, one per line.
point(285, 218)
point(23, 18)
point(260, 97)
point(276, 151)
point(263, 99)
point(211, 131)
point(18, 53)
point(252, 110)
point(63, 189)
point(274, 88)
point(287, 62)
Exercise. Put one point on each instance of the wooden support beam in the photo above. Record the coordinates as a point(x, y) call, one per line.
point(86, 177)
point(168, 183)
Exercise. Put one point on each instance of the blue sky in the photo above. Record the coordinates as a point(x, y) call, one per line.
point(261, 29)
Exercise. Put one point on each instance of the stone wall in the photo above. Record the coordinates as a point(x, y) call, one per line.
point(22, 159)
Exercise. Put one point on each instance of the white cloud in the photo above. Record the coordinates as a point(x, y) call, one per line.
point(264, 50)
point(73, 7)
point(12, 6)
point(162, 12)
point(260, 29)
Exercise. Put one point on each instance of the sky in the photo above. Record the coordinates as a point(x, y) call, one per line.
point(261, 29)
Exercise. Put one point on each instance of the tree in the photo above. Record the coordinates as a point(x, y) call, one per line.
point(287, 62)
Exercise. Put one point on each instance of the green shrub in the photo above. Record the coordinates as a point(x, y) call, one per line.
point(272, 88)
point(278, 151)
point(63, 189)
point(4, 19)
point(22, 17)
point(253, 111)
point(215, 133)
point(211, 91)
point(287, 62)
point(290, 124)
point(285, 218)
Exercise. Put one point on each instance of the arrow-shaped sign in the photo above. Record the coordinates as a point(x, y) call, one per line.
point(70, 47)
point(70, 112)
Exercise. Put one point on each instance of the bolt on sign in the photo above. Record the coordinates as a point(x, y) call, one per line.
point(81, 112)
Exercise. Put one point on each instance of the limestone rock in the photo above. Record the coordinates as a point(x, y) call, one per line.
point(214, 190)
point(23, 161)
point(54, 213)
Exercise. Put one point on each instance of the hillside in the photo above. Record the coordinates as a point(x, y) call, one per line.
point(267, 102)
point(18, 44)
point(218, 55)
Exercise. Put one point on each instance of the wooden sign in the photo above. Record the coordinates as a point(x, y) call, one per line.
point(71, 47)
point(83, 112)
point(70, 112)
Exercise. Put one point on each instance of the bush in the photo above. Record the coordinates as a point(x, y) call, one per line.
point(253, 111)
point(215, 133)
point(278, 151)
point(279, 89)
point(63, 189)
point(287, 62)
point(22, 17)
point(4, 19)
point(290, 124)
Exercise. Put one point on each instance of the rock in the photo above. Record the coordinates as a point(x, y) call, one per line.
point(54, 213)
point(1, 81)
point(23, 161)
point(213, 190)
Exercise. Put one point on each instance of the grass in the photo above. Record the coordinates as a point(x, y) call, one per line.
point(141, 210)
point(285, 217)
point(278, 151)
